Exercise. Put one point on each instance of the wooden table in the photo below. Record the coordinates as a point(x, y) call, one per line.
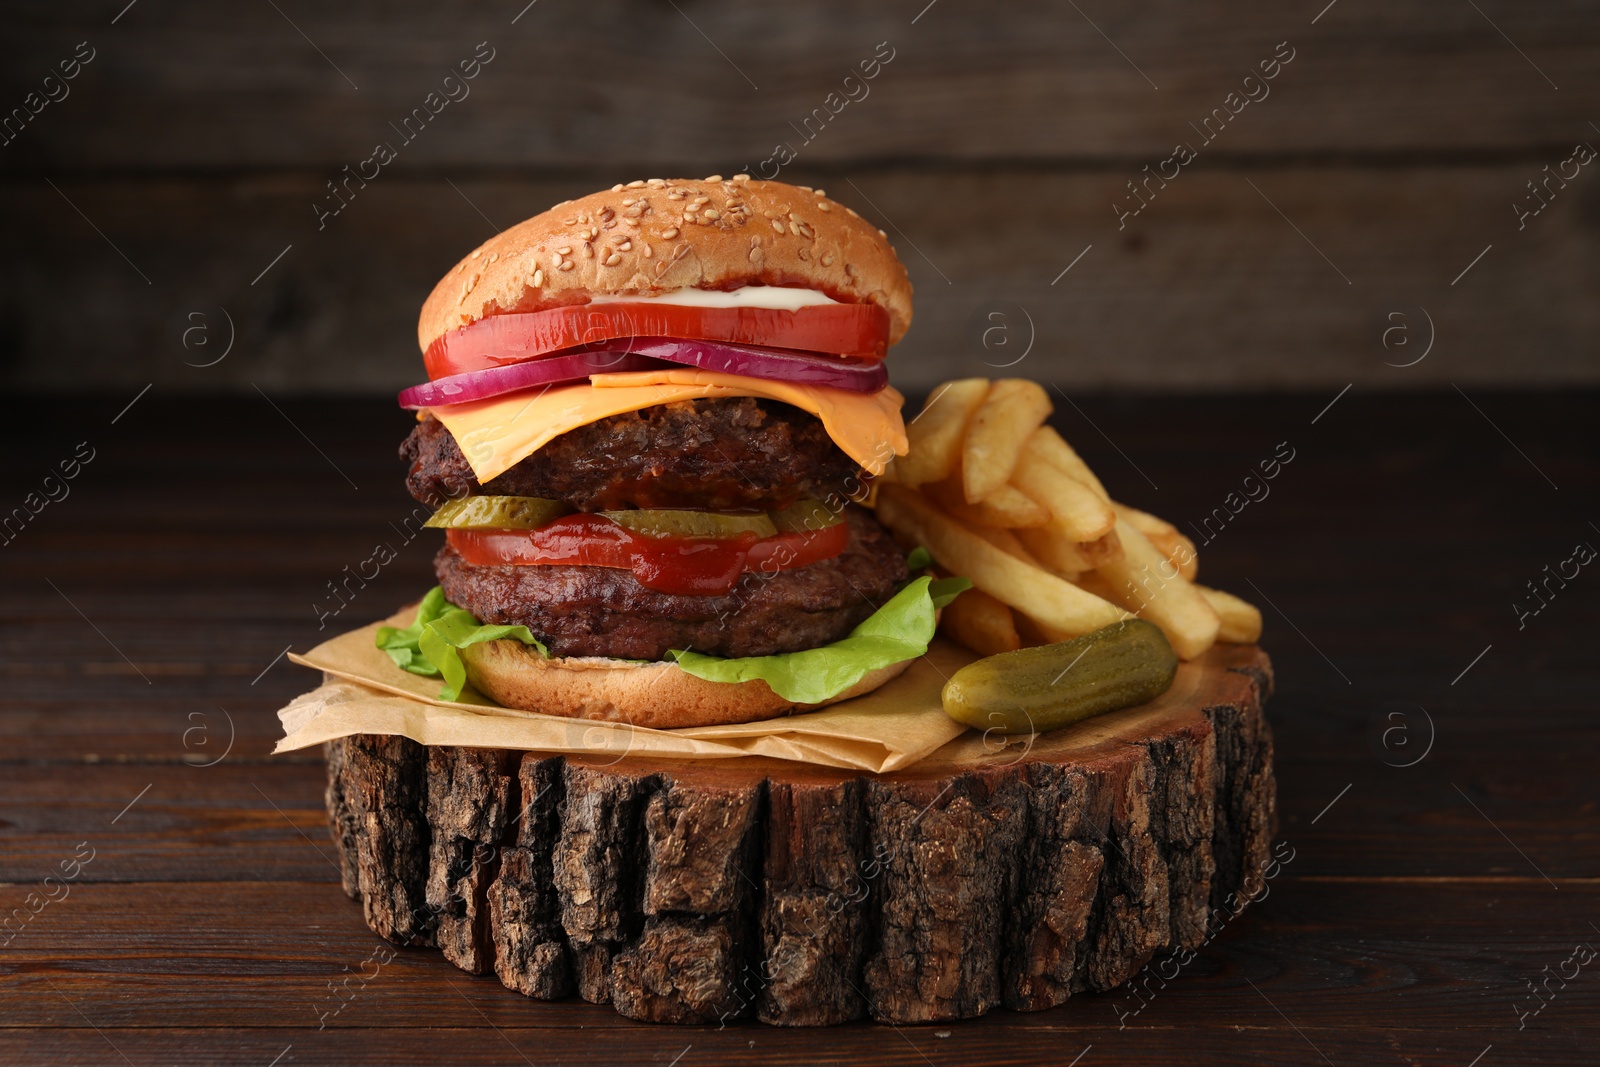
point(1436, 763)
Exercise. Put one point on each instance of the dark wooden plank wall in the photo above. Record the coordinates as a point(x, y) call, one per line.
point(992, 146)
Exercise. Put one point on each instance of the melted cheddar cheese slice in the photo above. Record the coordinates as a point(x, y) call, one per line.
point(498, 433)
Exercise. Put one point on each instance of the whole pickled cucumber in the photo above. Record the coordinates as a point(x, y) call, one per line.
point(1046, 687)
point(497, 513)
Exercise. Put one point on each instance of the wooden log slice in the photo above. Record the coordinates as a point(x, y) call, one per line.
point(691, 892)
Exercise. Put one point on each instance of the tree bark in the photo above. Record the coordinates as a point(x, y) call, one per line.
point(696, 892)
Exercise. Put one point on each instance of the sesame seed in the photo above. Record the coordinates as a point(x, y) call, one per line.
point(755, 255)
point(647, 252)
point(564, 250)
point(607, 214)
point(827, 259)
point(566, 265)
point(820, 192)
point(538, 279)
point(613, 259)
point(882, 234)
point(634, 223)
point(714, 178)
point(628, 201)
point(614, 189)
point(656, 183)
point(588, 251)
point(670, 232)
point(776, 225)
point(822, 205)
point(711, 213)
point(804, 188)
point(741, 177)
point(639, 184)
point(476, 252)
point(625, 245)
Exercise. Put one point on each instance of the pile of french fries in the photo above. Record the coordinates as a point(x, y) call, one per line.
point(1000, 498)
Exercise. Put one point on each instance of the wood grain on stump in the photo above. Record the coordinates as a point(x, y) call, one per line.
point(694, 892)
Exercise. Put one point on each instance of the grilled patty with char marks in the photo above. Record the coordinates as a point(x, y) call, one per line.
point(721, 454)
point(604, 611)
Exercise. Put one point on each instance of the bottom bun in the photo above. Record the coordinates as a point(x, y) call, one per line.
point(655, 695)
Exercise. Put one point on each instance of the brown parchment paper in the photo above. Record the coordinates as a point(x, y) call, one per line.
point(363, 692)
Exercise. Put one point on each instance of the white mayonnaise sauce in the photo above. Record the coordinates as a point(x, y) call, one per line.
point(777, 297)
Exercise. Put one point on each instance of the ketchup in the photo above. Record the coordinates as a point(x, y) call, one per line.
point(682, 565)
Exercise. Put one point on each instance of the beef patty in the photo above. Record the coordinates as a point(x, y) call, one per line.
point(719, 454)
point(604, 611)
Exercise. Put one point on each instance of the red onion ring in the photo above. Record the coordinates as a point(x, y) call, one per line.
point(776, 364)
point(650, 353)
point(552, 370)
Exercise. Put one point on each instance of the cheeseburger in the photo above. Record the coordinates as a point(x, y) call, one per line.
point(652, 416)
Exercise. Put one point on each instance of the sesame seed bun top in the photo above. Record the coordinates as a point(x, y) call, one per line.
point(647, 237)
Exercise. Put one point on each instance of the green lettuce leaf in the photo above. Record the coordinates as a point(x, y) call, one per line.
point(431, 645)
point(900, 630)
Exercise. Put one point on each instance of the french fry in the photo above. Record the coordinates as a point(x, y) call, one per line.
point(1008, 542)
point(1094, 583)
point(1012, 410)
point(1101, 550)
point(1049, 446)
point(1011, 580)
point(1178, 549)
point(1007, 507)
point(1143, 521)
point(1241, 620)
point(1181, 551)
point(1174, 545)
point(980, 622)
point(1057, 554)
point(1076, 511)
point(1147, 583)
point(936, 435)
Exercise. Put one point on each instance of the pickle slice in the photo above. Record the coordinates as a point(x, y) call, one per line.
point(805, 516)
point(655, 522)
point(1044, 688)
point(497, 513)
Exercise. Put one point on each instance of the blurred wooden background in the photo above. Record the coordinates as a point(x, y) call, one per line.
point(1362, 209)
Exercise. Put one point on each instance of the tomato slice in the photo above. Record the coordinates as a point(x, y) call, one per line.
point(857, 330)
point(689, 566)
